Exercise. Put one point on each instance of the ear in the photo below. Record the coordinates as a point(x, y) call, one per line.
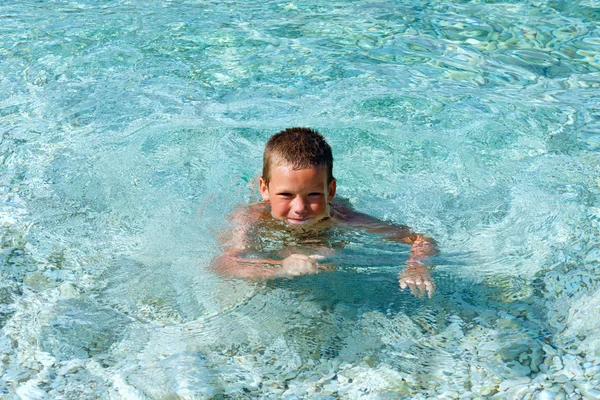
point(264, 189)
point(331, 190)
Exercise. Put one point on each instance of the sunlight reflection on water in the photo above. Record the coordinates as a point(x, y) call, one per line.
point(130, 129)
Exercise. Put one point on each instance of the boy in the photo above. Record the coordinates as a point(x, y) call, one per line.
point(298, 212)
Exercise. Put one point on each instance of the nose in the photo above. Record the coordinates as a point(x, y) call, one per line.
point(299, 205)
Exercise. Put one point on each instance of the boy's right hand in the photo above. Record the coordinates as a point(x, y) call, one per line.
point(298, 264)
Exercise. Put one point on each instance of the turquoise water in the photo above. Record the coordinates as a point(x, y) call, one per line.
point(130, 129)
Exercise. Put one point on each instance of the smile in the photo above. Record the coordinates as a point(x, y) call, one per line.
point(295, 221)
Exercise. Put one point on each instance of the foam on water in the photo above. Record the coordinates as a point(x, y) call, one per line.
point(130, 129)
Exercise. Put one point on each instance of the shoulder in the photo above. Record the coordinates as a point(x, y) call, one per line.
point(250, 214)
point(342, 210)
point(241, 221)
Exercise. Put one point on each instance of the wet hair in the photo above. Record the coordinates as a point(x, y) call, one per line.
point(299, 147)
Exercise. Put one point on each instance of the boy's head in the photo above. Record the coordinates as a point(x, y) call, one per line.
point(300, 148)
point(297, 176)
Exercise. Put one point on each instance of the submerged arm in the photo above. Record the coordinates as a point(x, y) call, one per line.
point(422, 247)
point(234, 263)
point(416, 275)
point(237, 266)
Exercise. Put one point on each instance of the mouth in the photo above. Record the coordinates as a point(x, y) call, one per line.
point(298, 221)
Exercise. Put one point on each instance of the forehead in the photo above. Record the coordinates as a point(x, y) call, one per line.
point(286, 175)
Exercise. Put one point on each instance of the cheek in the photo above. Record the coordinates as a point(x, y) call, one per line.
point(318, 207)
point(279, 208)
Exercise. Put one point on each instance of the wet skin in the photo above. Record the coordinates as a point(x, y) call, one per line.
point(299, 197)
point(302, 202)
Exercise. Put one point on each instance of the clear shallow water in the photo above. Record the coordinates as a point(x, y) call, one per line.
point(130, 128)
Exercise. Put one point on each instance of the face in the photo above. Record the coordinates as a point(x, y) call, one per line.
point(299, 197)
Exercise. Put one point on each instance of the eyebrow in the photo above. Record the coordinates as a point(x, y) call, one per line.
point(311, 190)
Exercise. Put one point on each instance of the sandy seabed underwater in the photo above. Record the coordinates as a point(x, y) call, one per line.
point(130, 129)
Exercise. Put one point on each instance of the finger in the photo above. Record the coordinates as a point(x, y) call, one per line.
point(430, 287)
point(407, 281)
point(413, 289)
point(421, 286)
point(403, 284)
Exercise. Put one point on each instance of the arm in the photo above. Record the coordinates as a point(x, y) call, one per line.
point(233, 263)
point(235, 266)
point(416, 274)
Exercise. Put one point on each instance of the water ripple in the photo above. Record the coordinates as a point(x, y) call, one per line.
point(130, 128)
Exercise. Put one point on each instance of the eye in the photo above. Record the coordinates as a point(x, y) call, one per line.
point(286, 195)
point(315, 194)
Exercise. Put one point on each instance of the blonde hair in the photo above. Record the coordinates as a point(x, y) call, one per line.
point(299, 147)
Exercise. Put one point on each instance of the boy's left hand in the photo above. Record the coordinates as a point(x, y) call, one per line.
point(416, 277)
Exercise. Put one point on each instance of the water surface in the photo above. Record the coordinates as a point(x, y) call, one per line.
point(130, 129)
